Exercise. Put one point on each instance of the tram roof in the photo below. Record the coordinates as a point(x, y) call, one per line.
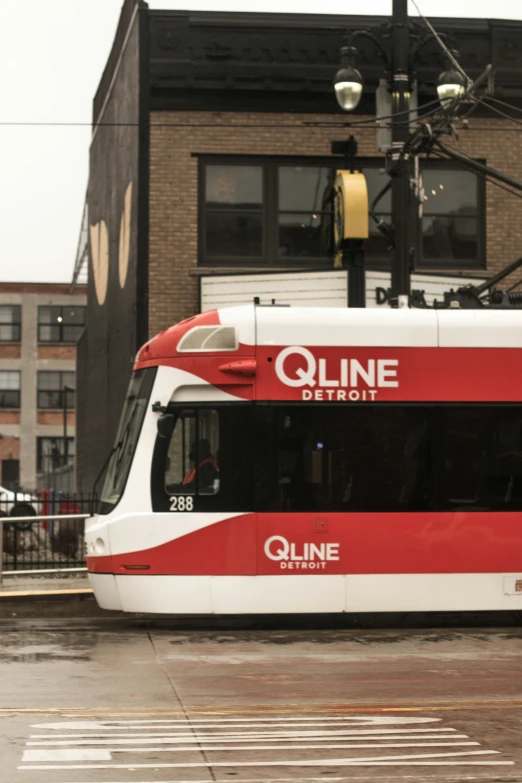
point(331, 326)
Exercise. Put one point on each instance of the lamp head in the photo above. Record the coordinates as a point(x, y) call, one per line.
point(451, 83)
point(348, 82)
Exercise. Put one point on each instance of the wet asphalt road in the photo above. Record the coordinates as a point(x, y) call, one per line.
point(121, 701)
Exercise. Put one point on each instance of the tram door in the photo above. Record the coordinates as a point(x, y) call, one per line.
point(204, 474)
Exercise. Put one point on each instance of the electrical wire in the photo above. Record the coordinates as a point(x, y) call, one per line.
point(491, 130)
point(504, 103)
point(515, 285)
point(484, 177)
point(374, 120)
point(501, 113)
point(442, 45)
point(151, 125)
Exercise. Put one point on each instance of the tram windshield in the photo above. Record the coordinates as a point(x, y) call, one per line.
point(129, 429)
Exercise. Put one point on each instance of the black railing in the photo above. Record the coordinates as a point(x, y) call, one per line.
point(56, 542)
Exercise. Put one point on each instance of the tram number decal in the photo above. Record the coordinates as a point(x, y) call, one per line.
point(181, 503)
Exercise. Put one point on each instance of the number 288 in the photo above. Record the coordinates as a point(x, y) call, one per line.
point(181, 503)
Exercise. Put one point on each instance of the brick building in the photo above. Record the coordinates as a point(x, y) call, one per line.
point(39, 326)
point(210, 170)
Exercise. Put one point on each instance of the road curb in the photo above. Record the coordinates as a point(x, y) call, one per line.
point(78, 602)
point(6, 594)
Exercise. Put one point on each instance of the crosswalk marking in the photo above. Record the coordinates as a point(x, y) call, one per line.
point(278, 742)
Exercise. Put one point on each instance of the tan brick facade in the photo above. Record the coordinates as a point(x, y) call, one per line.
point(10, 351)
point(55, 417)
point(57, 351)
point(9, 417)
point(173, 287)
point(21, 429)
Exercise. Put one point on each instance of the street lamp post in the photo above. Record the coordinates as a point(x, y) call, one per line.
point(400, 271)
point(349, 84)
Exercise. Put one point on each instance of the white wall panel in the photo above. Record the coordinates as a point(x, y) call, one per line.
point(304, 289)
point(312, 289)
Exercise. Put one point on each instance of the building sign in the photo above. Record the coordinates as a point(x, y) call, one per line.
point(325, 289)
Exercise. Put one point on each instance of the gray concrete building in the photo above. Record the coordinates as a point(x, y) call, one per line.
point(39, 326)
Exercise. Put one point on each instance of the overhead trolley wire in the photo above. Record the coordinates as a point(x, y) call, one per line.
point(501, 113)
point(484, 177)
point(504, 103)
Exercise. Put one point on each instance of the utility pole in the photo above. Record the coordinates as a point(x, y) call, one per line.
point(400, 271)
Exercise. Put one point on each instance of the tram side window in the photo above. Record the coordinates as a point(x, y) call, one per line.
point(191, 467)
point(207, 465)
point(483, 458)
point(344, 458)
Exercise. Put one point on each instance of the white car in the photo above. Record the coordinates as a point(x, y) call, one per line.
point(21, 503)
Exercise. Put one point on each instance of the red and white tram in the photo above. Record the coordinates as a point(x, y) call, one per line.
point(275, 459)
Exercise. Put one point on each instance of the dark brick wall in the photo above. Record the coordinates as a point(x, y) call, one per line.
point(106, 350)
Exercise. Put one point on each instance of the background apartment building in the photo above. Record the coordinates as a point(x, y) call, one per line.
point(39, 326)
point(210, 179)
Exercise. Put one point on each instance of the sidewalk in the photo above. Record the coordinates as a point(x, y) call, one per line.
point(49, 596)
point(45, 585)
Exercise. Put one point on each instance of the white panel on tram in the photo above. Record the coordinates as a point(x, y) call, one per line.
point(358, 327)
point(165, 594)
point(278, 594)
point(243, 319)
point(480, 328)
point(192, 393)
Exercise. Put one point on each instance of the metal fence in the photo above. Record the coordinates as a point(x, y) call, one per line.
point(54, 540)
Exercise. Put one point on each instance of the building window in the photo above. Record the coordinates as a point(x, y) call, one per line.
point(304, 215)
point(9, 389)
point(278, 212)
point(451, 219)
point(50, 454)
point(58, 324)
point(10, 323)
point(10, 474)
point(234, 216)
point(56, 389)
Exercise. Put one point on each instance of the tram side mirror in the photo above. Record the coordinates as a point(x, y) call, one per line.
point(165, 425)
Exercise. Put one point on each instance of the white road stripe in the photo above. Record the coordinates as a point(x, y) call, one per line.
point(343, 733)
point(298, 748)
point(67, 754)
point(356, 720)
point(196, 739)
point(409, 760)
point(245, 780)
point(240, 726)
point(343, 779)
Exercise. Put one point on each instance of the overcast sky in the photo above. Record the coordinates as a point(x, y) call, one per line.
point(52, 54)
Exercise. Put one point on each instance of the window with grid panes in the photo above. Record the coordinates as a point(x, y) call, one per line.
point(56, 389)
point(9, 389)
point(278, 212)
point(451, 218)
point(60, 324)
point(10, 323)
point(50, 454)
